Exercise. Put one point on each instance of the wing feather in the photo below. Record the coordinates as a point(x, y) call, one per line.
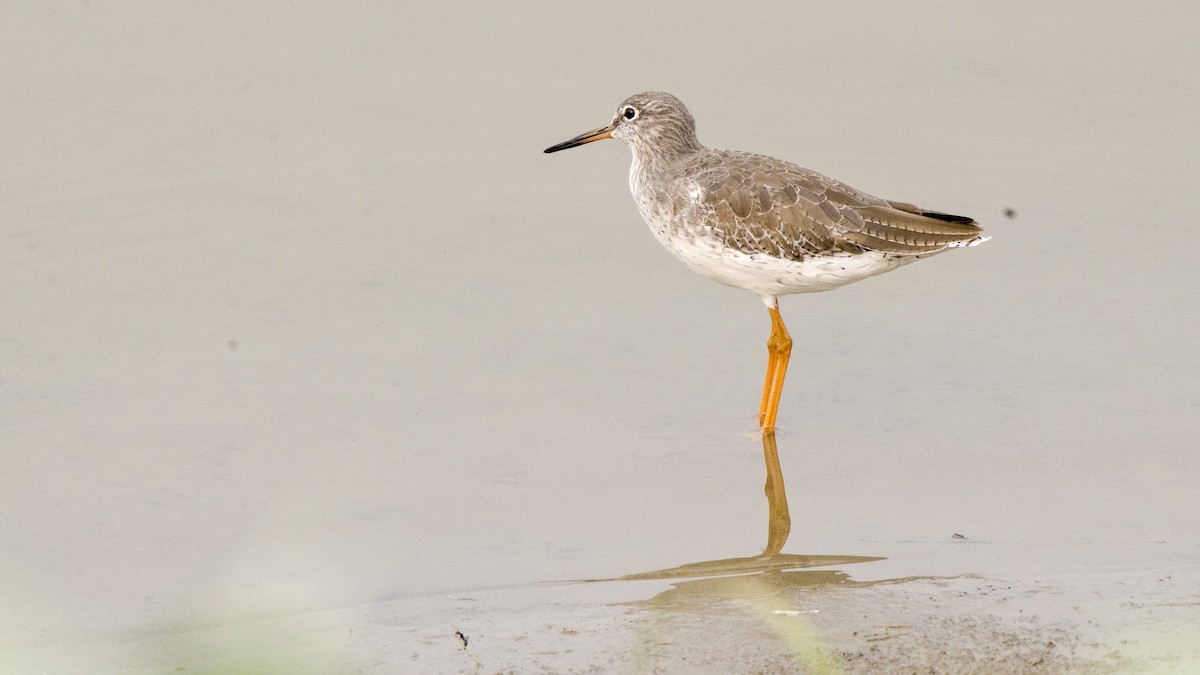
point(763, 205)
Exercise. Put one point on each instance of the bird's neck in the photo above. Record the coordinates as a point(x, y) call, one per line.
point(657, 164)
point(665, 147)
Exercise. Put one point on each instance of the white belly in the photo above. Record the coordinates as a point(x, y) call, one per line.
point(769, 276)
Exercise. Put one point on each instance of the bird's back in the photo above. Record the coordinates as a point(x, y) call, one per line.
point(756, 204)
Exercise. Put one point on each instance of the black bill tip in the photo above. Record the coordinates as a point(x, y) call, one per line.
point(593, 135)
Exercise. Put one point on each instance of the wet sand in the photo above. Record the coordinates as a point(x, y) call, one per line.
point(312, 359)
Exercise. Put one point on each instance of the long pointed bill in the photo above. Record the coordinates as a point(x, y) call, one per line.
point(593, 135)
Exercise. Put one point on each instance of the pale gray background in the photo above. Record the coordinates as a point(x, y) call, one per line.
point(296, 318)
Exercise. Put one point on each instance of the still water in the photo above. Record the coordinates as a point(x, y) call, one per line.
point(310, 357)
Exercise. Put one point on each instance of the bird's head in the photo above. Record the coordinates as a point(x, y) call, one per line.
point(654, 124)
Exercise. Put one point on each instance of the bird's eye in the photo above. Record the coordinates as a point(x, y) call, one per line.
point(629, 113)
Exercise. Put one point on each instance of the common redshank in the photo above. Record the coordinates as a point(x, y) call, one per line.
point(765, 225)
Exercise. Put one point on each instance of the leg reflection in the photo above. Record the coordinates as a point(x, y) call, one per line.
point(779, 524)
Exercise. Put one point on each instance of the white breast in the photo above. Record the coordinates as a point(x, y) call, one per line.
point(770, 276)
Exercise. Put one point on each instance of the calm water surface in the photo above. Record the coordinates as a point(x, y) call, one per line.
point(298, 318)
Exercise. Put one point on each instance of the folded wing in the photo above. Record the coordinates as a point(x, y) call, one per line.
point(758, 204)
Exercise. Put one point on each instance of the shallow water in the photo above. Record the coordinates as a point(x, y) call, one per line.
point(305, 341)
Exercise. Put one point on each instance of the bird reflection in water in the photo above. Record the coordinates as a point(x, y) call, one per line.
point(779, 522)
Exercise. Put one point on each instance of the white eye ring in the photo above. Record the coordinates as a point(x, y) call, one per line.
point(629, 112)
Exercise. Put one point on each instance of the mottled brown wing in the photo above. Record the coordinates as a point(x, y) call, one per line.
point(758, 204)
point(886, 228)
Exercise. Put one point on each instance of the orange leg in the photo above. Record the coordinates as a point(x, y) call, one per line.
point(779, 350)
point(772, 359)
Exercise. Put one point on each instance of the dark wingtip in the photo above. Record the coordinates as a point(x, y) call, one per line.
point(947, 217)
